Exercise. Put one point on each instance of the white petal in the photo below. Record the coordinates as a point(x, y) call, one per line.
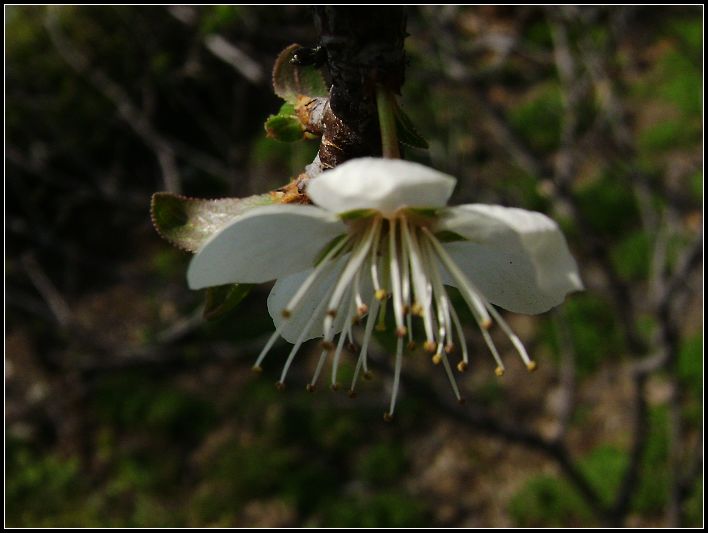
point(264, 244)
point(518, 259)
point(304, 315)
point(382, 184)
point(285, 288)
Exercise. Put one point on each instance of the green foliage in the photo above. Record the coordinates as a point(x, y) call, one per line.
point(386, 510)
point(538, 117)
point(631, 256)
point(690, 365)
point(549, 502)
point(608, 204)
point(594, 331)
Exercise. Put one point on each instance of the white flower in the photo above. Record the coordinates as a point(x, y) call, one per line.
point(379, 228)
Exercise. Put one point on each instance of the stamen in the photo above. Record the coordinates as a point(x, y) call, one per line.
point(421, 306)
point(451, 377)
point(468, 291)
point(375, 261)
point(395, 272)
point(359, 253)
point(326, 262)
point(300, 339)
point(490, 344)
point(530, 365)
point(335, 360)
point(463, 343)
point(370, 320)
point(396, 375)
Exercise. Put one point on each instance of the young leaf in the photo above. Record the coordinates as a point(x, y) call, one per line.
point(188, 222)
point(222, 299)
point(291, 81)
point(284, 128)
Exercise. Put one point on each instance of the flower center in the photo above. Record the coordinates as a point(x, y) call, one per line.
point(400, 259)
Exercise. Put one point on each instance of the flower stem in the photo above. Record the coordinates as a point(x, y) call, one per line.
point(387, 123)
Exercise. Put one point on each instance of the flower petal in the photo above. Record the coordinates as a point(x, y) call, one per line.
point(306, 315)
point(382, 184)
point(518, 259)
point(264, 244)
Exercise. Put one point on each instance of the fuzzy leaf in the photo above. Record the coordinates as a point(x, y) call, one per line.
point(291, 81)
point(189, 222)
point(284, 128)
point(222, 299)
point(407, 134)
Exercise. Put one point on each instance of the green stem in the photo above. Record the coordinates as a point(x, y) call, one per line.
point(387, 123)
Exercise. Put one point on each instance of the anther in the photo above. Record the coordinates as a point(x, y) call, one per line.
point(499, 371)
point(380, 295)
point(328, 345)
point(486, 324)
point(429, 346)
point(531, 366)
point(388, 417)
point(411, 345)
point(280, 385)
point(417, 309)
point(437, 358)
point(406, 309)
point(401, 331)
point(362, 310)
point(287, 313)
point(461, 366)
point(368, 375)
point(352, 394)
point(332, 312)
point(257, 369)
point(310, 387)
point(449, 348)
point(335, 387)
point(461, 400)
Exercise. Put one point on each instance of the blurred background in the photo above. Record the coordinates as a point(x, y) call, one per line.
point(124, 408)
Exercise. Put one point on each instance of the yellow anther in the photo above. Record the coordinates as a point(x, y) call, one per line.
point(437, 359)
point(417, 309)
point(531, 366)
point(401, 331)
point(449, 348)
point(310, 387)
point(257, 369)
point(362, 310)
point(429, 346)
point(461, 366)
point(380, 295)
point(486, 324)
point(499, 371)
point(287, 313)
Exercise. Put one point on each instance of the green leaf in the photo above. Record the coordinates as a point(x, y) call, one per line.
point(292, 82)
point(284, 128)
point(407, 134)
point(222, 299)
point(189, 222)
